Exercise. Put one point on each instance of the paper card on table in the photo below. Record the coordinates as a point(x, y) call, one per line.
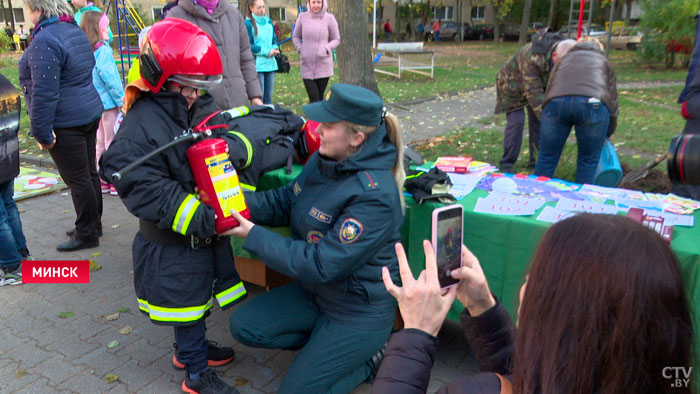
point(568, 204)
point(677, 220)
point(552, 215)
point(642, 204)
point(600, 194)
point(484, 206)
point(463, 184)
point(514, 199)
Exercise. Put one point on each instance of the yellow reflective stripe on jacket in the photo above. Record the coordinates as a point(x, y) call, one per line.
point(183, 315)
point(248, 187)
point(185, 213)
point(248, 147)
point(238, 111)
point(231, 294)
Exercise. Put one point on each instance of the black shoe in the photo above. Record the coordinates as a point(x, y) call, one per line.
point(77, 244)
point(208, 383)
point(216, 356)
point(506, 168)
point(72, 231)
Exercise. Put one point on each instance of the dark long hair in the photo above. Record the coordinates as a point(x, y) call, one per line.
point(250, 15)
point(604, 311)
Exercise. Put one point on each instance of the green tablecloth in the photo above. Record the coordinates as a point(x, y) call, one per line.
point(504, 244)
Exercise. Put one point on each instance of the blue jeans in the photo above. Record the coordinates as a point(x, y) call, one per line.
point(267, 84)
point(436, 35)
point(333, 358)
point(11, 235)
point(591, 120)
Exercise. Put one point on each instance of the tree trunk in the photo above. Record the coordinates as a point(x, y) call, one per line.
point(12, 15)
point(354, 54)
point(426, 12)
point(243, 7)
point(550, 17)
point(396, 26)
point(524, 24)
point(497, 25)
point(628, 14)
point(411, 18)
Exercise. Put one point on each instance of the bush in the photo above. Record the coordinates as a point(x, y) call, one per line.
point(5, 43)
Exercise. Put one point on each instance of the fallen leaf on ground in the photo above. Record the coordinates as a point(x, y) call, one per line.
point(96, 254)
point(64, 315)
point(94, 266)
point(113, 344)
point(112, 317)
point(111, 378)
point(115, 226)
point(126, 330)
point(20, 372)
point(66, 210)
point(241, 381)
point(123, 310)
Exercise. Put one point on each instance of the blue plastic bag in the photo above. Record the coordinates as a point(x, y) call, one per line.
point(609, 171)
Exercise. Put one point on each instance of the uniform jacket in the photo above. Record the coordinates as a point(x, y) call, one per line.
point(9, 126)
point(523, 78)
point(262, 43)
point(410, 355)
point(226, 27)
point(55, 74)
point(106, 79)
point(315, 37)
point(585, 71)
point(345, 219)
point(174, 283)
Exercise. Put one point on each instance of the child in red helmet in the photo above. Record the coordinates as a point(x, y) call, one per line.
point(180, 264)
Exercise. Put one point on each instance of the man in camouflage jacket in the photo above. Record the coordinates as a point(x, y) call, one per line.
point(521, 83)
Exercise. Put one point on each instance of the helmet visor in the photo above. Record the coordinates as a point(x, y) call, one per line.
point(204, 82)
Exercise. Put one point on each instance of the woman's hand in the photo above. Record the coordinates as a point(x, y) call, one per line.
point(256, 101)
point(243, 229)
point(422, 304)
point(47, 147)
point(473, 290)
point(273, 52)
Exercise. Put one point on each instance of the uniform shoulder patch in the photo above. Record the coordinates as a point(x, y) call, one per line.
point(368, 180)
point(297, 188)
point(350, 231)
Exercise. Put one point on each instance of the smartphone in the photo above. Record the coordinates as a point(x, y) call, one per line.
point(447, 242)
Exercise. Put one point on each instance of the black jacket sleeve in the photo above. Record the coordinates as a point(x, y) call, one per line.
point(490, 336)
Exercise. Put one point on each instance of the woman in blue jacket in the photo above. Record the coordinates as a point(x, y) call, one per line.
point(263, 44)
point(345, 212)
point(55, 74)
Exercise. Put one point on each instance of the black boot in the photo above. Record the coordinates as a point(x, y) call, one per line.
point(77, 244)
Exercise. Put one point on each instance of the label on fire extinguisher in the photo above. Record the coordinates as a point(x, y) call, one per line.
point(226, 183)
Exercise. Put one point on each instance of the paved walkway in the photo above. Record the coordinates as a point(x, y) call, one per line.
point(43, 353)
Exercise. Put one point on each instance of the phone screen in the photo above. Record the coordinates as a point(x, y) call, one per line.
point(449, 245)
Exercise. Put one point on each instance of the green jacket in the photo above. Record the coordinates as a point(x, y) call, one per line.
point(523, 78)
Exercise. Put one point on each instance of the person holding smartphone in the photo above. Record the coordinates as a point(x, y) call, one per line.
point(602, 310)
point(345, 212)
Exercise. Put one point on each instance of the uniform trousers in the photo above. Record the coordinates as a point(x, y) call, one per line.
point(334, 358)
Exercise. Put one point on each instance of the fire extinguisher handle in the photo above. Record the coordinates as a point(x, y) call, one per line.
point(138, 162)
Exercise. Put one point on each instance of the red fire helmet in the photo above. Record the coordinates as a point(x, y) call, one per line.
point(178, 50)
point(309, 141)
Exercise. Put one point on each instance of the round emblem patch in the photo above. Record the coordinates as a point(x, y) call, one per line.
point(314, 237)
point(350, 230)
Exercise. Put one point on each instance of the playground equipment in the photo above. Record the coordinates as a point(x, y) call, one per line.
point(129, 24)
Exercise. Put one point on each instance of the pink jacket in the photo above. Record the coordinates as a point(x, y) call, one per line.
point(315, 36)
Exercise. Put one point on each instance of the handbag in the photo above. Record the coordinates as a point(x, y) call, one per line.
point(609, 171)
point(282, 63)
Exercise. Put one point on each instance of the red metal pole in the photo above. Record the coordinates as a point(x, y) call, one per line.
point(580, 18)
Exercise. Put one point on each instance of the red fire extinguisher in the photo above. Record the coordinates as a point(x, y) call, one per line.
point(213, 172)
point(216, 178)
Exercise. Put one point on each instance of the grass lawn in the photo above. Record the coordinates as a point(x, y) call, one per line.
point(466, 66)
point(645, 128)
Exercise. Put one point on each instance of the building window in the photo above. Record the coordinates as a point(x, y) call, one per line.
point(157, 13)
point(443, 13)
point(479, 13)
point(278, 13)
point(5, 16)
point(380, 15)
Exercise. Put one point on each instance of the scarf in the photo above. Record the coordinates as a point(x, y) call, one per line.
point(209, 5)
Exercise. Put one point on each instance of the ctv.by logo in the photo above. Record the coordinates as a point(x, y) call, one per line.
point(679, 376)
